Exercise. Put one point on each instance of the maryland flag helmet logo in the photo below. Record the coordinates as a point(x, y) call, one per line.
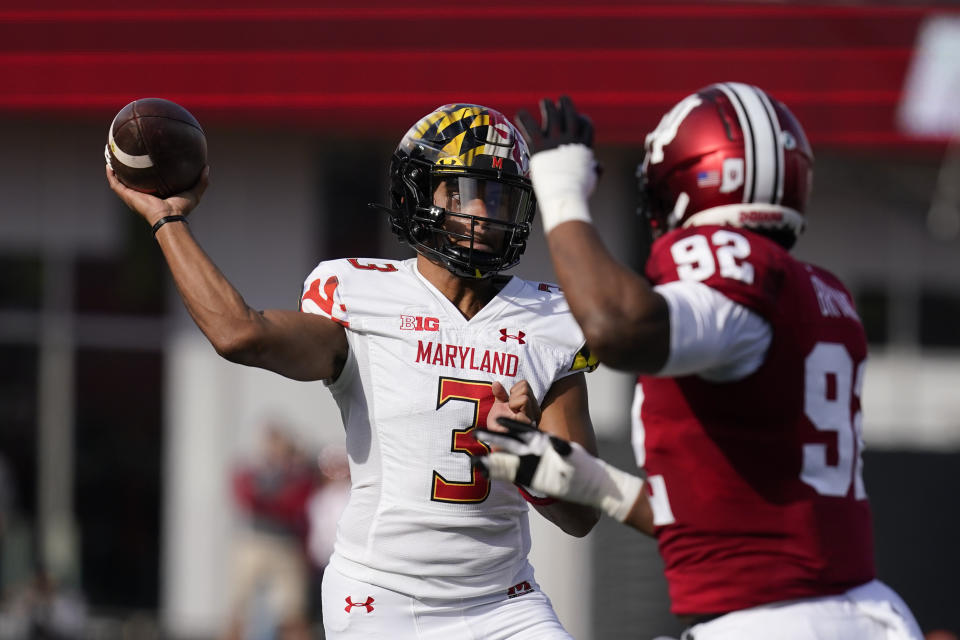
point(460, 192)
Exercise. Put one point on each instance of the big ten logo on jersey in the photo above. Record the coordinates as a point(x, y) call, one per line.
point(419, 323)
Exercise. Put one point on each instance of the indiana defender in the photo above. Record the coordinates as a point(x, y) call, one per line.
point(747, 418)
point(418, 354)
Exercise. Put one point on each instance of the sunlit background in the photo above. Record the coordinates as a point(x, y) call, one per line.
point(118, 422)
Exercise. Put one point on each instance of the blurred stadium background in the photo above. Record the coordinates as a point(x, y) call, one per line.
point(117, 420)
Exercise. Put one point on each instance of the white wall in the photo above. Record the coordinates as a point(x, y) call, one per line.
point(910, 401)
point(214, 412)
point(55, 193)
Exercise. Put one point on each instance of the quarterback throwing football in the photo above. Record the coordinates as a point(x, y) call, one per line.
point(418, 354)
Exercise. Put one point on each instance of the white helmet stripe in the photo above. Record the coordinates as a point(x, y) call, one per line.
point(748, 146)
point(778, 145)
point(766, 142)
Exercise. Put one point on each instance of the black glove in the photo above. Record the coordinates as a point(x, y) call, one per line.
point(557, 468)
point(562, 124)
point(526, 445)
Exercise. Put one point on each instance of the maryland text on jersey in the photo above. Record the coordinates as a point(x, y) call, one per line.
point(460, 357)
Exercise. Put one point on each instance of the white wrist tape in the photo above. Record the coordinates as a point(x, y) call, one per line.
point(622, 491)
point(563, 178)
point(581, 477)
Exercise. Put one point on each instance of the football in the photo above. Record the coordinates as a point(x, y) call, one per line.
point(157, 147)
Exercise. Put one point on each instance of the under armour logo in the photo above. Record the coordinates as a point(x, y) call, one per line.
point(368, 605)
point(519, 337)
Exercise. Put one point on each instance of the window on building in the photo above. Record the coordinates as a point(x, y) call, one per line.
point(119, 426)
point(21, 282)
point(18, 412)
point(130, 282)
point(939, 311)
point(352, 228)
point(873, 306)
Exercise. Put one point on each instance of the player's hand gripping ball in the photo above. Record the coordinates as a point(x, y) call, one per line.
point(157, 147)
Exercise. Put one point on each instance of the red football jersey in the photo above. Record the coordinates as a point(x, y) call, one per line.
point(756, 484)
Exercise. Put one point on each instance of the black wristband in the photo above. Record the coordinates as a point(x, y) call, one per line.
point(164, 220)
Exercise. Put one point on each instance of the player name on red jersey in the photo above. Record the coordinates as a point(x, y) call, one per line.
point(452, 355)
point(833, 302)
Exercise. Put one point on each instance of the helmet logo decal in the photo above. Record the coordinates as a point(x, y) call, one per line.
point(666, 131)
point(464, 132)
point(732, 175)
point(708, 179)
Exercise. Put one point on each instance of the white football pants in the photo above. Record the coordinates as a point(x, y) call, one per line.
point(872, 611)
point(354, 610)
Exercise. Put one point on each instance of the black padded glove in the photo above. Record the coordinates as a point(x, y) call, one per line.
point(562, 124)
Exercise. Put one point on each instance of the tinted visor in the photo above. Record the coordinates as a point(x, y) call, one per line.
point(491, 199)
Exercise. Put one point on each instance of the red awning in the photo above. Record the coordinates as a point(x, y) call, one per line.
point(375, 66)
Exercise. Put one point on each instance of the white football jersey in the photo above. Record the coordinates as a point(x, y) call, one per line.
point(417, 381)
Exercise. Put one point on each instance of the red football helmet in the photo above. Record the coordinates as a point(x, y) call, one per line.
point(728, 154)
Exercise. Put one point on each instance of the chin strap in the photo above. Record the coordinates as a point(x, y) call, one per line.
point(679, 208)
point(380, 207)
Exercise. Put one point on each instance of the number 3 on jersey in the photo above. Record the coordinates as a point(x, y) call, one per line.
point(479, 394)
